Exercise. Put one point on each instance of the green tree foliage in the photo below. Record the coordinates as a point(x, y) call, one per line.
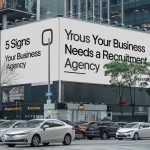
point(123, 75)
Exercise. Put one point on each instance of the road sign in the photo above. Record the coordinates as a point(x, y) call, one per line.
point(48, 111)
point(48, 94)
point(48, 104)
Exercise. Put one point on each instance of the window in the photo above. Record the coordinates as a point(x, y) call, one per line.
point(18, 124)
point(115, 125)
point(57, 124)
point(108, 124)
point(93, 124)
point(146, 125)
point(7, 124)
point(49, 123)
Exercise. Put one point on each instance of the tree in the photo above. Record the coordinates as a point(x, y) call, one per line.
point(124, 75)
point(7, 76)
point(134, 75)
point(117, 72)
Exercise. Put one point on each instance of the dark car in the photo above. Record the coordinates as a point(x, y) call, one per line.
point(104, 130)
point(79, 133)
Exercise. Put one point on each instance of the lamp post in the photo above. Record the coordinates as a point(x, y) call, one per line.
point(49, 85)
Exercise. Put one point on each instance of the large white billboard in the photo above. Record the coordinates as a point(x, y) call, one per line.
point(86, 47)
point(24, 49)
point(79, 50)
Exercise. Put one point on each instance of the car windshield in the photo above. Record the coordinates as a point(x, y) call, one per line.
point(93, 124)
point(132, 125)
point(31, 124)
point(7, 124)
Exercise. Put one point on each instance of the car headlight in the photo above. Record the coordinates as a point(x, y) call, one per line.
point(25, 133)
point(129, 131)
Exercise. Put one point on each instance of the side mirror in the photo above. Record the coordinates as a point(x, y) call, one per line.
point(45, 126)
point(141, 127)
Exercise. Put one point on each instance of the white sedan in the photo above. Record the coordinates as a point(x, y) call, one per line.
point(7, 125)
point(38, 131)
point(135, 131)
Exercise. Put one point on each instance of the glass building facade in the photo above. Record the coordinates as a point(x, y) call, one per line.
point(23, 5)
point(51, 8)
point(135, 12)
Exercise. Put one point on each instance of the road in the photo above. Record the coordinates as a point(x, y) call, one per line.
point(93, 145)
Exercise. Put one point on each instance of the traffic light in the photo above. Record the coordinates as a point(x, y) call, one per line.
point(124, 102)
point(81, 107)
point(109, 108)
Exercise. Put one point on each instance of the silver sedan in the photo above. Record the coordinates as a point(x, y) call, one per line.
point(38, 131)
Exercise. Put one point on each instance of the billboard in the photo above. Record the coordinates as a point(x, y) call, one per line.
point(24, 50)
point(87, 47)
point(79, 50)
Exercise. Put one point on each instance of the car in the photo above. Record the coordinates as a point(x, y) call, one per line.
point(36, 131)
point(104, 130)
point(84, 126)
point(79, 133)
point(121, 124)
point(9, 124)
point(81, 122)
point(134, 130)
point(1, 121)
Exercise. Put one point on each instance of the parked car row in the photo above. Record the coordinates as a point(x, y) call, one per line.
point(45, 131)
point(121, 130)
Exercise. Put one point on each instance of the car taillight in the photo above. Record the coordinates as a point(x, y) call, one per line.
point(73, 128)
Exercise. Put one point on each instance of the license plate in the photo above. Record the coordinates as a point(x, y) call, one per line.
point(10, 138)
point(91, 128)
point(120, 133)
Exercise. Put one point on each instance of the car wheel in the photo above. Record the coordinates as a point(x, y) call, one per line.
point(35, 141)
point(104, 136)
point(136, 136)
point(67, 140)
point(90, 137)
point(45, 144)
point(11, 145)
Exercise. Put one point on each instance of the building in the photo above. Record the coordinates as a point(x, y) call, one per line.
point(119, 12)
point(70, 91)
point(74, 79)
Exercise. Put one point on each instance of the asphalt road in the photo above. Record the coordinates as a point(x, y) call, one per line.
point(91, 145)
